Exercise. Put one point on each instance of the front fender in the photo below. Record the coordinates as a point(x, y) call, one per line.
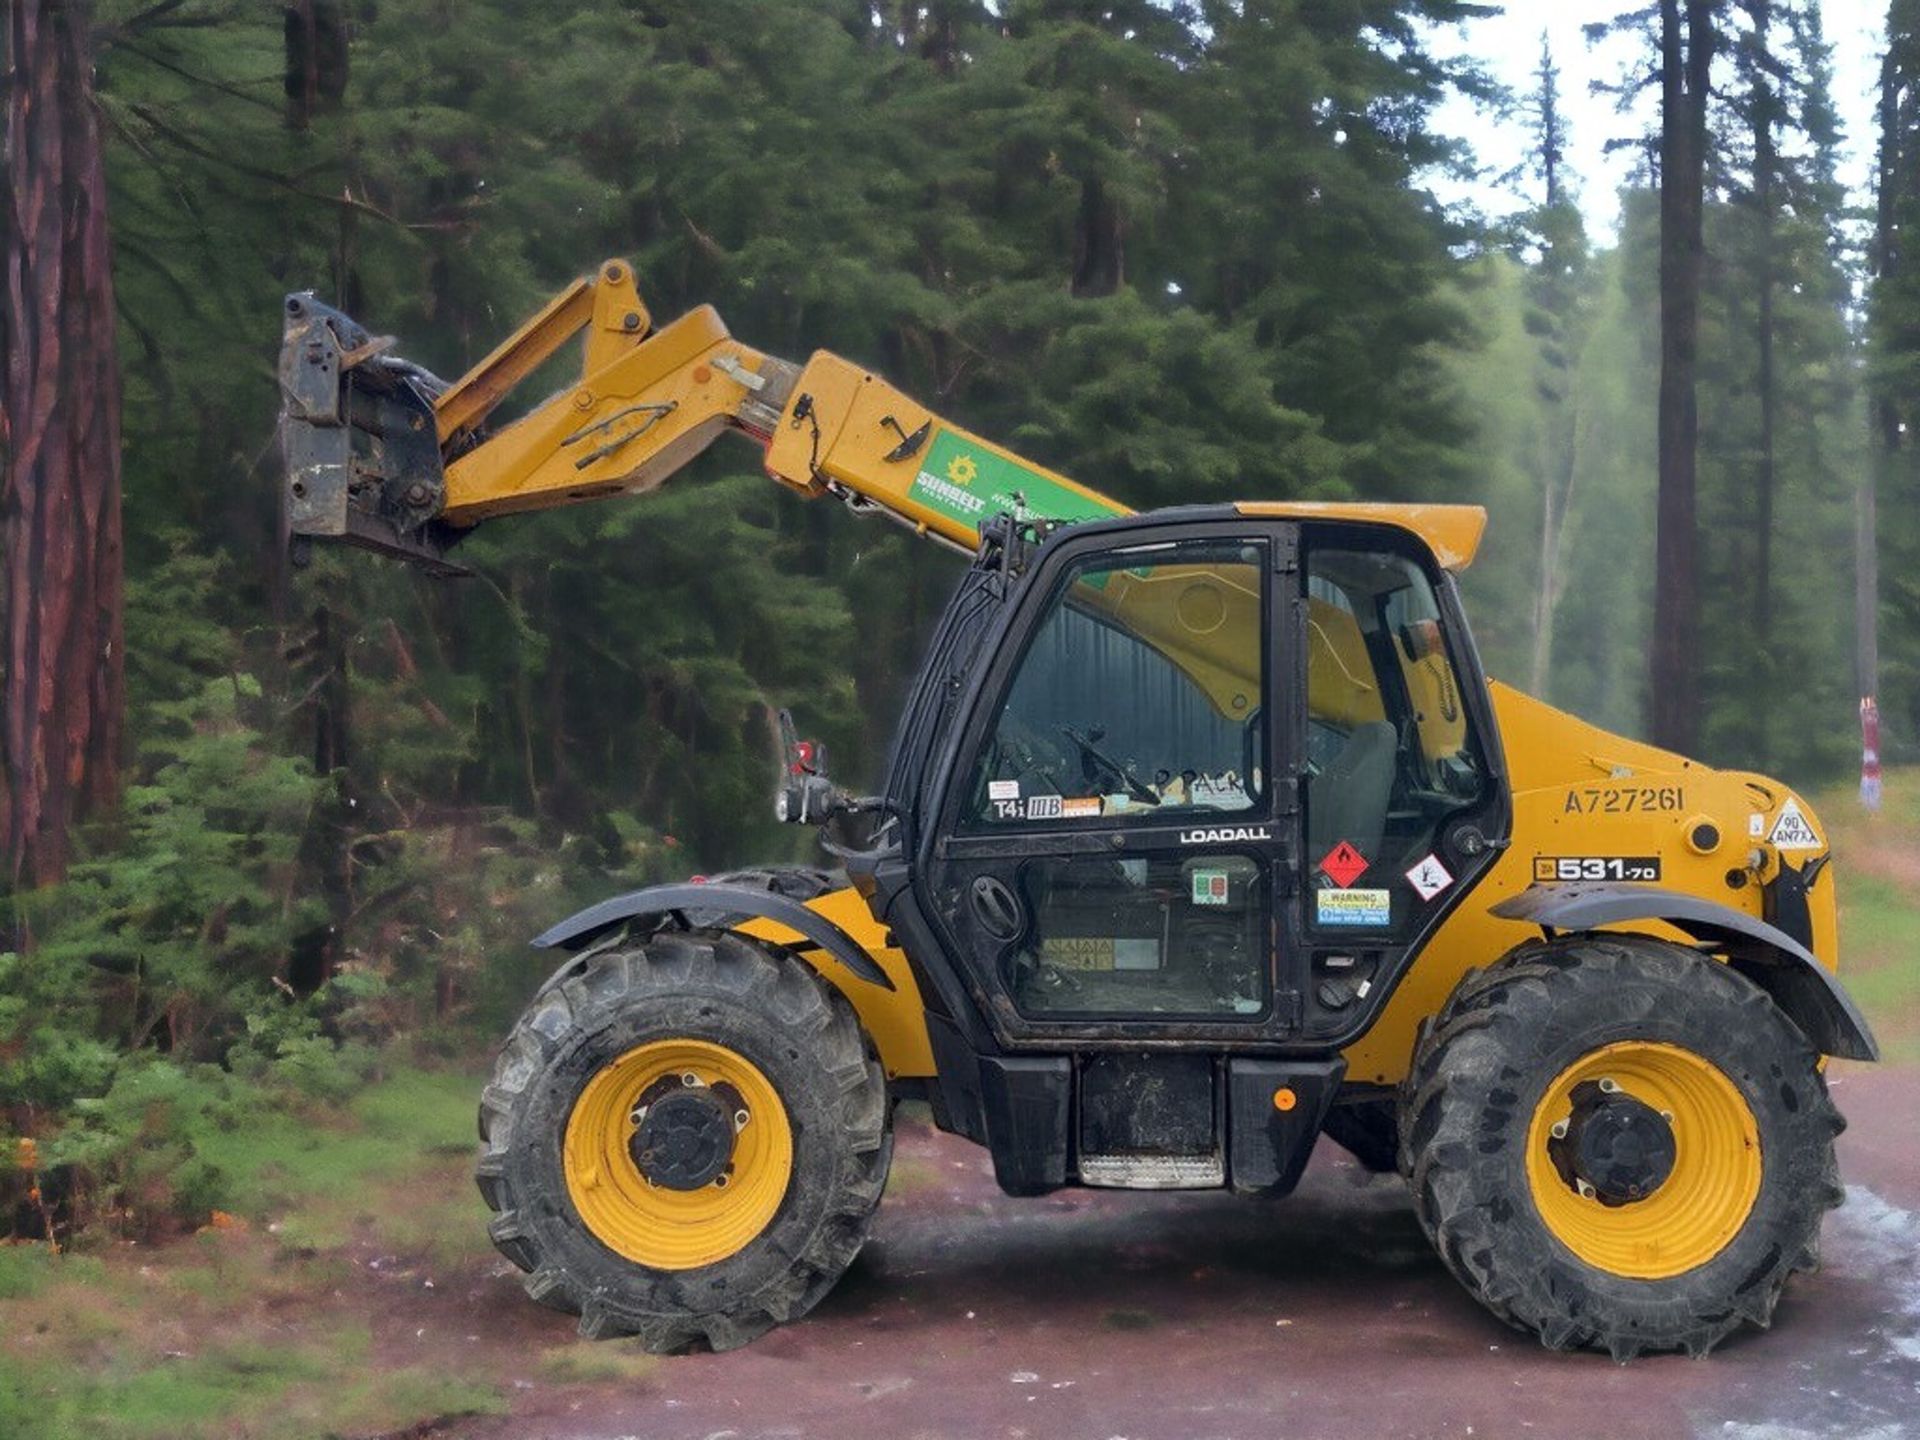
point(727, 904)
point(1804, 989)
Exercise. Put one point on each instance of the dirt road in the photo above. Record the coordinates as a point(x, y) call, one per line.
point(1097, 1315)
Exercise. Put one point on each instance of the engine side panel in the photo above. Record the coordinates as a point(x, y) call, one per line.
point(1582, 795)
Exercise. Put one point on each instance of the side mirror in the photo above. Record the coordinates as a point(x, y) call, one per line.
point(804, 794)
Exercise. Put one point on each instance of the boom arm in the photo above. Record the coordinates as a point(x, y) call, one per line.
point(383, 454)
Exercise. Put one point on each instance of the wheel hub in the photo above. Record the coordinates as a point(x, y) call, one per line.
point(684, 1140)
point(1612, 1147)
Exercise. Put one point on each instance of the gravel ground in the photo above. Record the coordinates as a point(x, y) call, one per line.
point(1180, 1317)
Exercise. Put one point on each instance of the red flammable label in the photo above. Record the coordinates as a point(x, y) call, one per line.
point(1343, 865)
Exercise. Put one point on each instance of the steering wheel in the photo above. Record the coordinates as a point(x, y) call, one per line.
point(1094, 760)
point(1032, 756)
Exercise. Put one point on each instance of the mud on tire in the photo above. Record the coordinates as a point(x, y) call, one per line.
point(758, 1002)
point(1485, 1065)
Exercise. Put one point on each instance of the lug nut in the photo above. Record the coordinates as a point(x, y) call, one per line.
point(1586, 1190)
point(1608, 1086)
point(639, 1114)
point(740, 1118)
point(719, 1182)
point(690, 1080)
point(1559, 1130)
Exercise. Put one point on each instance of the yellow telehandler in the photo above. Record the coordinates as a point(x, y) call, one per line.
point(1202, 834)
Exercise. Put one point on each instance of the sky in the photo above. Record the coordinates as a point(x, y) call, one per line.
point(1509, 45)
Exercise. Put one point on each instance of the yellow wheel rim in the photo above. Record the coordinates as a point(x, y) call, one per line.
point(653, 1224)
point(1706, 1197)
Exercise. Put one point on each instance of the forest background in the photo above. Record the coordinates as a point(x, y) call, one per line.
point(1183, 252)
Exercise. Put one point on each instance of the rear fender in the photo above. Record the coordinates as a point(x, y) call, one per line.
point(1805, 990)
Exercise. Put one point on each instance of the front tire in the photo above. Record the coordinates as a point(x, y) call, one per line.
point(1620, 1144)
point(684, 1141)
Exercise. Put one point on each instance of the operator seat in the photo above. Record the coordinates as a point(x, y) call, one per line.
point(1348, 800)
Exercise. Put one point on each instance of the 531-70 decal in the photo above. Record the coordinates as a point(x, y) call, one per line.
point(1596, 867)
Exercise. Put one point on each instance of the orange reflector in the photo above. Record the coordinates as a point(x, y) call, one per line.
point(1284, 1098)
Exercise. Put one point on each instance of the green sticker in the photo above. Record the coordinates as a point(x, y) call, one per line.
point(963, 479)
point(1210, 887)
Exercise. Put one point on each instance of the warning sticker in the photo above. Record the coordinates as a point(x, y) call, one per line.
point(1209, 887)
point(1343, 864)
point(1791, 830)
point(1429, 877)
point(1353, 907)
point(1003, 789)
point(1100, 952)
point(1078, 952)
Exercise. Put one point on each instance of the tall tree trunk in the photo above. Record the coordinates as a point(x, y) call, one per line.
point(1884, 426)
point(1686, 58)
point(316, 50)
point(1765, 162)
point(1557, 471)
point(1543, 597)
point(1551, 289)
point(61, 677)
point(1099, 242)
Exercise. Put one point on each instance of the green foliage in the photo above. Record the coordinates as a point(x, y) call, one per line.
point(176, 925)
point(296, 1391)
point(133, 1153)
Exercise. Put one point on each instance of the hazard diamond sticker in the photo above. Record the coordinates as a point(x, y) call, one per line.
point(1343, 864)
point(1791, 830)
point(1429, 877)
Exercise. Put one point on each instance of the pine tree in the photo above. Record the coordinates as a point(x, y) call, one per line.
point(1554, 289)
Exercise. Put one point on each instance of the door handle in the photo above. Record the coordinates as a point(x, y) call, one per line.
point(996, 908)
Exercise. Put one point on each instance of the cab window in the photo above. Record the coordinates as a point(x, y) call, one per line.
point(1139, 693)
point(1391, 754)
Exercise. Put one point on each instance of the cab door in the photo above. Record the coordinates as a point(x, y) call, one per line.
point(1118, 836)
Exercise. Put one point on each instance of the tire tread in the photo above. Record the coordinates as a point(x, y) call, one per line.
point(1436, 1153)
point(736, 970)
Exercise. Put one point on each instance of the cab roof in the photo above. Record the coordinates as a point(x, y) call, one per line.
point(1452, 532)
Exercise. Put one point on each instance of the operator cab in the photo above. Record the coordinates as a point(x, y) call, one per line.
point(1197, 786)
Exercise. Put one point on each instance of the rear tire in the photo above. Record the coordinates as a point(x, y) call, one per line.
point(1561, 1029)
point(769, 1020)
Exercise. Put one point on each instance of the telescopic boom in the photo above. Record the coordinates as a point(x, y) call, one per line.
point(382, 453)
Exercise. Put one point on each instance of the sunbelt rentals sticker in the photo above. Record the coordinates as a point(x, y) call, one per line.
point(961, 478)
